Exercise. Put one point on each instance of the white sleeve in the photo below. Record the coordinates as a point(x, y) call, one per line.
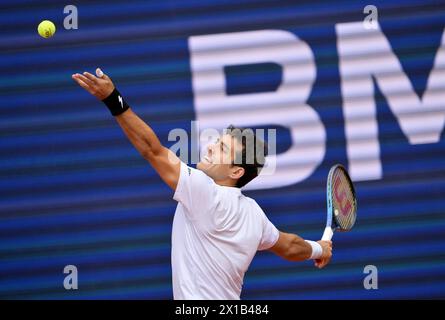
point(195, 191)
point(270, 234)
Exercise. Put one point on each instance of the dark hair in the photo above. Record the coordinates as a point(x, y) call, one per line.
point(252, 156)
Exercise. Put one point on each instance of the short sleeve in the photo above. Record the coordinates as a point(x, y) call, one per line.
point(195, 191)
point(270, 234)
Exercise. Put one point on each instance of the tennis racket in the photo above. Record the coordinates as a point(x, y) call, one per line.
point(341, 202)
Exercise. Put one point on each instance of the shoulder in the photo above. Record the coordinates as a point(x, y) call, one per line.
point(253, 208)
point(197, 175)
point(194, 187)
point(253, 204)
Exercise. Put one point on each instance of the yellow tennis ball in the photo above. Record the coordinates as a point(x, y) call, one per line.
point(46, 29)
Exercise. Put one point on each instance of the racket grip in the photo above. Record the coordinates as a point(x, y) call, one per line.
point(327, 234)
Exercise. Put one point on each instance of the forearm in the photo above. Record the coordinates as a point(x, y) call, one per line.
point(163, 160)
point(300, 250)
point(296, 249)
point(139, 133)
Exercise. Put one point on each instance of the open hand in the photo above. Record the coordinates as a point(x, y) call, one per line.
point(100, 86)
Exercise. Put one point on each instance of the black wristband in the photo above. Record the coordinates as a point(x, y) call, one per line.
point(116, 103)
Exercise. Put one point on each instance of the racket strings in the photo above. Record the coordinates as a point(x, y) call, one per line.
point(341, 184)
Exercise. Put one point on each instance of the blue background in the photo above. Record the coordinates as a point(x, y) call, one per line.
point(74, 191)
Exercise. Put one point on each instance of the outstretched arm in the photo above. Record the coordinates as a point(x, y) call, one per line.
point(143, 138)
point(294, 248)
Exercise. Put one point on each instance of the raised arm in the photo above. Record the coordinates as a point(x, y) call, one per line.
point(143, 138)
point(294, 248)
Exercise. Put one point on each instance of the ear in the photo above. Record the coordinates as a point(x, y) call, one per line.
point(237, 172)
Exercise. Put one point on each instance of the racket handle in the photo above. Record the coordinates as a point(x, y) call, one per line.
point(327, 234)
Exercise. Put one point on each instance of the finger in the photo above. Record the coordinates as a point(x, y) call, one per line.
point(99, 73)
point(81, 83)
point(324, 264)
point(90, 77)
point(102, 74)
point(329, 243)
point(84, 79)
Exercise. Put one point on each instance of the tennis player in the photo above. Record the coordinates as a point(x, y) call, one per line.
point(216, 229)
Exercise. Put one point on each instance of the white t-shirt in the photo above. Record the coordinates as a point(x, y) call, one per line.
point(216, 233)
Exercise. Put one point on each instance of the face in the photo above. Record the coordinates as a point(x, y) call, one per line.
point(217, 162)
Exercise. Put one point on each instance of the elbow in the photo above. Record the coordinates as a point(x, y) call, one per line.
point(149, 153)
point(151, 156)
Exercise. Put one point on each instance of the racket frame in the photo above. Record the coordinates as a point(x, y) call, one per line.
point(331, 223)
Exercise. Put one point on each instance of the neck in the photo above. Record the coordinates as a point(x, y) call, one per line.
point(226, 183)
